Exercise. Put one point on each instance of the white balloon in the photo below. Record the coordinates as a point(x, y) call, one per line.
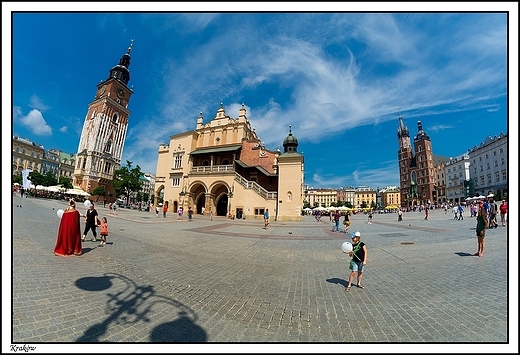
point(87, 203)
point(346, 247)
point(59, 213)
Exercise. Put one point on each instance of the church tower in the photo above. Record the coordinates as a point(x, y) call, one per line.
point(104, 131)
point(416, 167)
point(424, 166)
point(405, 156)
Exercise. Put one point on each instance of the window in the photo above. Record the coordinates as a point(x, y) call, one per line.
point(460, 174)
point(504, 176)
point(225, 162)
point(449, 171)
point(481, 168)
point(497, 176)
point(501, 150)
point(84, 163)
point(115, 116)
point(176, 182)
point(23, 151)
point(108, 146)
point(482, 180)
point(502, 161)
point(479, 158)
point(489, 178)
point(108, 166)
point(177, 164)
point(496, 163)
point(494, 152)
point(289, 196)
point(259, 211)
point(475, 170)
point(487, 164)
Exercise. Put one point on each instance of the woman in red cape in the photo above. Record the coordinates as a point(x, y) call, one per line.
point(69, 233)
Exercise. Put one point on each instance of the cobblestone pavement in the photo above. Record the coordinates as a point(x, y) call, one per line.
point(230, 281)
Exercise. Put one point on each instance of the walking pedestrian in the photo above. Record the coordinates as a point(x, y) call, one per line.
point(114, 207)
point(503, 213)
point(190, 214)
point(461, 211)
point(369, 217)
point(91, 221)
point(493, 209)
point(399, 215)
point(346, 221)
point(455, 211)
point(359, 256)
point(157, 211)
point(266, 218)
point(210, 215)
point(336, 217)
point(68, 241)
point(104, 232)
point(482, 223)
point(164, 210)
point(110, 208)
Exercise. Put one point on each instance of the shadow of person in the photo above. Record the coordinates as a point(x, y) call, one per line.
point(463, 253)
point(335, 280)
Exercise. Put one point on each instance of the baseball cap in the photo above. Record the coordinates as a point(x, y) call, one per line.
point(355, 234)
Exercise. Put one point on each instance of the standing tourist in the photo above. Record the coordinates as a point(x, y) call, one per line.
point(69, 232)
point(190, 213)
point(482, 223)
point(359, 256)
point(164, 210)
point(503, 213)
point(91, 222)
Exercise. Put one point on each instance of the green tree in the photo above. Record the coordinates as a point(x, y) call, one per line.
point(18, 178)
point(49, 179)
point(372, 204)
point(146, 197)
point(364, 204)
point(65, 182)
point(36, 178)
point(99, 191)
point(126, 180)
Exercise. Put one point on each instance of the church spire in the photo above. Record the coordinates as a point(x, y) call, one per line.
point(120, 71)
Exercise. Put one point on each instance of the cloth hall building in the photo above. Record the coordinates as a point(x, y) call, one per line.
point(223, 167)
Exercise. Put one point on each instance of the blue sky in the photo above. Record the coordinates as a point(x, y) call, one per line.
point(339, 78)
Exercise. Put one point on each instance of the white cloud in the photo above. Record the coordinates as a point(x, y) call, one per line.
point(63, 129)
point(35, 122)
point(36, 103)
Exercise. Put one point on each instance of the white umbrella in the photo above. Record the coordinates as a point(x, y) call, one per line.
point(490, 195)
point(53, 188)
point(40, 187)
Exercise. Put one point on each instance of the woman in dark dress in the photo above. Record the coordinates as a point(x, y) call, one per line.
point(69, 233)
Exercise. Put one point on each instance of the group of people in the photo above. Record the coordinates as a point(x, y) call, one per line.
point(69, 239)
